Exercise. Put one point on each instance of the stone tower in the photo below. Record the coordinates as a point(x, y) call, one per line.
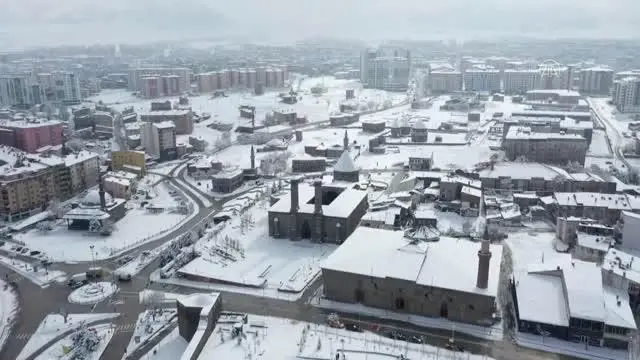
point(484, 257)
point(293, 212)
point(318, 217)
point(253, 158)
point(346, 140)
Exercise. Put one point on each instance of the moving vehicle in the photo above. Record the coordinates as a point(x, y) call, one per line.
point(78, 278)
point(94, 272)
point(334, 321)
point(353, 327)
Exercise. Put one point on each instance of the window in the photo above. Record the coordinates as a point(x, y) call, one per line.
point(471, 307)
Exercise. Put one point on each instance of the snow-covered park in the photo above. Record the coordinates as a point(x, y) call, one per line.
point(241, 255)
point(93, 293)
point(86, 344)
point(54, 325)
point(33, 272)
point(138, 226)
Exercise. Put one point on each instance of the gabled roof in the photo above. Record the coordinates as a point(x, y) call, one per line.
point(345, 163)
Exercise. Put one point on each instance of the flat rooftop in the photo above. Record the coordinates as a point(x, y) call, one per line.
point(342, 206)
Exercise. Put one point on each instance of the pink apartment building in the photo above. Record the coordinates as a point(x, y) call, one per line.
point(30, 136)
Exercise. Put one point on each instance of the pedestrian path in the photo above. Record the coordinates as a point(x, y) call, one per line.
point(125, 328)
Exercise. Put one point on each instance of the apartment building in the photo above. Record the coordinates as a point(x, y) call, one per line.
point(544, 147)
point(20, 91)
point(556, 78)
point(241, 78)
point(482, 80)
point(596, 81)
point(386, 72)
point(136, 76)
point(159, 140)
point(626, 94)
point(440, 82)
point(131, 161)
point(30, 134)
point(61, 86)
point(182, 118)
point(519, 81)
point(28, 183)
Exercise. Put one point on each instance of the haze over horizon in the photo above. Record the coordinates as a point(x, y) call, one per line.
point(29, 23)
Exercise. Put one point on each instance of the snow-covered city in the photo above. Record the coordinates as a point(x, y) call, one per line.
point(456, 199)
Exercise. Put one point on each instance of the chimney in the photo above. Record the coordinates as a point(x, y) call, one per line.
point(294, 195)
point(253, 158)
point(318, 196)
point(103, 202)
point(484, 256)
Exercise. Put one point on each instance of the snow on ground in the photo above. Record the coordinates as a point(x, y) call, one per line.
point(41, 277)
point(148, 325)
point(170, 348)
point(247, 257)
point(137, 264)
point(276, 338)
point(599, 145)
point(225, 109)
point(54, 325)
point(93, 293)
point(165, 168)
point(8, 307)
point(57, 351)
point(137, 227)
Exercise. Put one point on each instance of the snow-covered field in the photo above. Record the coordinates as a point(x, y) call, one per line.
point(275, 338)
point(242, 255)
point(54, 325)
point(42, 277)
point(93, 293)
point(8, 307)
point(225, 109)
point(135, 228)
point(148, 325)
point(104, 333)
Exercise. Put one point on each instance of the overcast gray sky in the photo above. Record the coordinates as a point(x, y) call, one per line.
point(40, 22)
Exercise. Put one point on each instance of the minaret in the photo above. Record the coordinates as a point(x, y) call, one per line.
point(484, 256)
point(318, 217)
point(253, 158)
point(346, 140)
point(293, 212)
point(103, 202)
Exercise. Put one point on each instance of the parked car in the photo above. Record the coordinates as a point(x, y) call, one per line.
point(415, 339)
point(353, 327)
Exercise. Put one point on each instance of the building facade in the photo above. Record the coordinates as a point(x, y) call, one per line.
point(182, 118)
point(626, 94)
point(552, 148)
point(440, 82)
point(482, 80)
point(159, 140)
point(519, 81)
point(31, 135)
point(596, 81)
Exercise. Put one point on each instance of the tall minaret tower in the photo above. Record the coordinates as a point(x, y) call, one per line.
point(346, 140)
point(253, 158)
point(484, 257)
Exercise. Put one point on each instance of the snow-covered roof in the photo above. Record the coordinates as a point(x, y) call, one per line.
point(548, 309)
point(619, 315)
point(176, 112)
point(165, 125)
point(610, 201)
point(376, 253)
point(419, 124)
point(341, 207)
point(471, 191)
point(523, 132)
point(92, 199)
point(461, 180)
point(425, 213)
point(622, 264)
point(227, 174)
point(559, 92)
point(594, 242)
point(345, 163)
point(584, 290)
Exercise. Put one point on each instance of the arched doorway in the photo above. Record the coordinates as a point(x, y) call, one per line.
point(444, 310)
point(359, 296)
point(305, 230)
point(400, 303)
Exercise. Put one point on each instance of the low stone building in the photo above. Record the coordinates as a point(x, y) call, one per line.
point(419, 132)
point(552, 148)
point(427, 283)
point(227, 181)
point(327, 213)
point(373, 125)
point(308, 164)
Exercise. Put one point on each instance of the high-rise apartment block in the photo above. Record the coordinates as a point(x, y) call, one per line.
point(20, 91)
point(444, 81)
point(519, 81)
point(30, 135)
point(158, 82)
point(385, 72)
point(626, 94)
point(482, 80)
point(596, 81)
point(241, 78)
